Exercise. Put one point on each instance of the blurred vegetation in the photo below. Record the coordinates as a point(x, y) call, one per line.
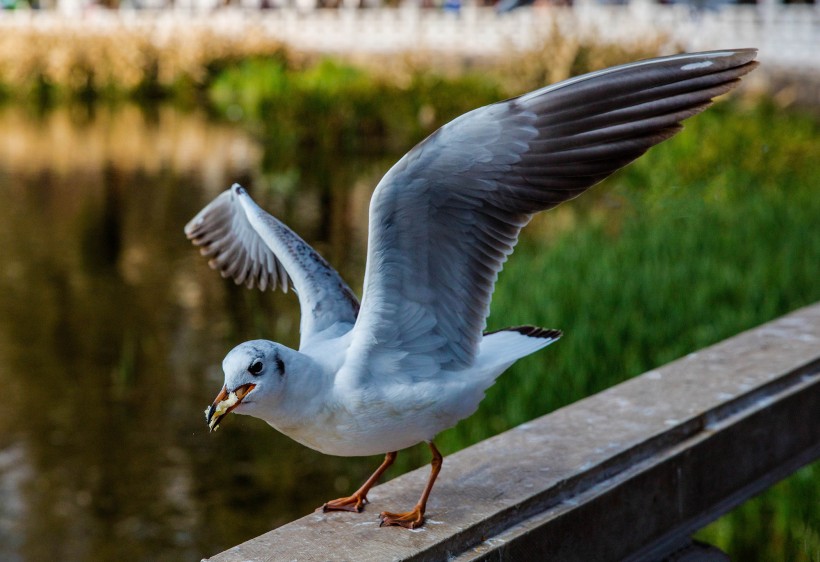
point(118, 60)
point(565, 54)
point(330, 105)
point(707, 235)
point(700, 239)
point(295, 100)
point(386, 104)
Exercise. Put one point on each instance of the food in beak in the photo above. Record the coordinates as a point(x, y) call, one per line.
point(224, 403)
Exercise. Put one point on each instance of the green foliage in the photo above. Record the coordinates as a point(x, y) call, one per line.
point(705, 236)
point(336, 107)
point(781, 524)
point(709, 234)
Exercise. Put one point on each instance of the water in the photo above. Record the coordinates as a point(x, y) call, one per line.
point(113, 328)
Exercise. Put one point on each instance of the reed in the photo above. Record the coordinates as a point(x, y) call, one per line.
point(61, 59)
point(245, 68)
point(565, 53)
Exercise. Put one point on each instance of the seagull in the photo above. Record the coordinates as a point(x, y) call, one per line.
point(413, 358)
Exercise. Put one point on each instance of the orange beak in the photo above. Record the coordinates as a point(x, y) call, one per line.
point(224, 403)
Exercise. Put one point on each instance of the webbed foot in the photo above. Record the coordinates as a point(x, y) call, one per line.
point(410, 520)
point(356, 503)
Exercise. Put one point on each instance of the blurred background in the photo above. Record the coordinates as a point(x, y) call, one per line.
point(119, 120)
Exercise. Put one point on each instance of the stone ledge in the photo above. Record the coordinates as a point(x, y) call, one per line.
point(628, 473)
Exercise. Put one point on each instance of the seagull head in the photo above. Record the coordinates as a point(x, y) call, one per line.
point(254, 375)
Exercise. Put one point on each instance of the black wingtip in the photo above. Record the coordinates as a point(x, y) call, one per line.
point(532, 332)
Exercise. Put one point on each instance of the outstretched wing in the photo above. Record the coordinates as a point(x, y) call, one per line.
point(249, 245)
point(445, 218)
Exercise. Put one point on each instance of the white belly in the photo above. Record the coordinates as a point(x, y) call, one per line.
point(364, 426)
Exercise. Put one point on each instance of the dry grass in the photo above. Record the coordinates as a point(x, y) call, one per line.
point(113, 55)
point(564, 53)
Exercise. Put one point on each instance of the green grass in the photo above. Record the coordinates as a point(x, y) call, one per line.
point(703, 237)
point(709, 234)
point(712, 233)
point(332, 106)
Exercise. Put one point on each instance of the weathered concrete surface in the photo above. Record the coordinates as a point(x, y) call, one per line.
point(627, 473)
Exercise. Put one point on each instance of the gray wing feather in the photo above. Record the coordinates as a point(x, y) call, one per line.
point(253, 248)
point(445, 218)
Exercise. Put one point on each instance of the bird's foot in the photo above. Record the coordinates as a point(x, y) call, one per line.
point(350, 503)
point(410, 520)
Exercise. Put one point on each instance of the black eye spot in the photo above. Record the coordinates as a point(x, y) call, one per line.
point(255, 368)
point(280, 365)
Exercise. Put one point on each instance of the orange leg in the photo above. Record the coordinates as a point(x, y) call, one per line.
point(415, 518)
point(359, 498)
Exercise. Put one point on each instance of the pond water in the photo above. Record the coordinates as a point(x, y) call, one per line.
point(113, 328)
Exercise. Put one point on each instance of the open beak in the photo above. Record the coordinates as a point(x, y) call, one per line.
point(224, 403)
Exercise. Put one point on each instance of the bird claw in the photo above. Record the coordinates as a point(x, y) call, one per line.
point(410, 520)
point(349, 503)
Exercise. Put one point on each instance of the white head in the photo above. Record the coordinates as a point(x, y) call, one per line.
point(255, 374)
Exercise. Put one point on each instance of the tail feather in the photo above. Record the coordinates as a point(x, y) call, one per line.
point(530, 331)
point(502, 348)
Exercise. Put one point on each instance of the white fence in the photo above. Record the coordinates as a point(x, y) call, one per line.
point(788, 36)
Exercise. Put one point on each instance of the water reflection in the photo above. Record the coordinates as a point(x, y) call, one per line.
point(112, 330)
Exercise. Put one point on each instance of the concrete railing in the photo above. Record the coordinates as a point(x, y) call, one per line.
point(627, 474)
